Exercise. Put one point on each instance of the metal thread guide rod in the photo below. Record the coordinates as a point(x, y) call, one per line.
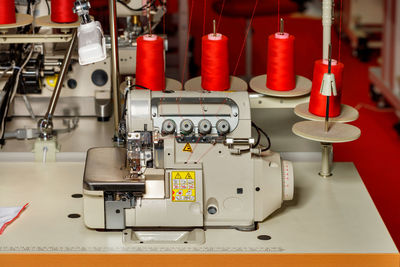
point(45, 124)
point(149, 20)
point(115, 69)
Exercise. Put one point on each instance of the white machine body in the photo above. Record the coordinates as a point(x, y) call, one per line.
point(189, 162)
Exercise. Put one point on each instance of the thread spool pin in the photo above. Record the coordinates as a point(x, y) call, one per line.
point(214, 28)
point(149, 20)
point(282, 26)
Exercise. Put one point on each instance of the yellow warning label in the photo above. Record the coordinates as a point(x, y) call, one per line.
point(52, 80)
point(183, 186)
point(187, 148)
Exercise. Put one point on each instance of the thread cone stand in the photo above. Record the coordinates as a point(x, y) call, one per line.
point(236, 83)
point(348, 114)
point(303, 87)
point(45, 21)
point(337, 133)
point(21, 20)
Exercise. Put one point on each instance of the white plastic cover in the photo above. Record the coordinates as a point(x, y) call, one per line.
point(91, 44)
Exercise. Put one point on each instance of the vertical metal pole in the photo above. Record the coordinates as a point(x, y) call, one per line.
point(46, 123)
point(61, 77)
point(183, 29)
point(115, 65)
point(326, 161)
point(327, 11)
point(249, 51)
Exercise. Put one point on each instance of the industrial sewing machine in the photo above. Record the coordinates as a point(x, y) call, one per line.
point(87, 89)
point(189, 161)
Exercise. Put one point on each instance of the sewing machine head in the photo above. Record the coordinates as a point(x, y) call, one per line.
point(189, 161)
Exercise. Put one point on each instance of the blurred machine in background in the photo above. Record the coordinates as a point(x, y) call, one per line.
point(385, 80)
point(363, 24)
point(87, 89)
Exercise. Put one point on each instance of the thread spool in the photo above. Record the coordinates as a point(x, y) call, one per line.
point(150, 66)
point(62, 11)
point(280, 66)
point(317, 104)
point(215, 62)
point(7, 12)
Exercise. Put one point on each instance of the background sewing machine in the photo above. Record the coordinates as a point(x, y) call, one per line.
point(86, 88)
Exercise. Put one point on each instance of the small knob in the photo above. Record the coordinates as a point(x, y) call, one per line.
point(205, 127)
point(187, 127)
point(168, 127)
point(223, 127)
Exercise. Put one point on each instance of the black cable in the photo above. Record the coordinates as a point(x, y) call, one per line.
point(142, 87)
point(258, 135)
point(126, 96)
point(48, 6)
point(28, 10)
point(266, 136)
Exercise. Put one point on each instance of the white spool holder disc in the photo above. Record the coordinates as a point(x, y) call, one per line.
point(21, 20)
point(303, 87)
point(45, 21)
point(170, 85)
point(348, 114)
point(236, 83)
point(315, 131)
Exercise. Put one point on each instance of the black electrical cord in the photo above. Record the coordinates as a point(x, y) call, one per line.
point(48, 7)
point(126, 96)
point(266, 136)
point(258, 135)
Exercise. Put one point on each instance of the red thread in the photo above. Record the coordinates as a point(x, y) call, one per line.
point(150, 67)
point(317, 104)
point(61, 11)
point(215, 63)
point(7, 12)
point(280, 63)
point(220, 14)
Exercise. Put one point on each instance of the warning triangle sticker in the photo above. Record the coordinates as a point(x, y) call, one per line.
point(187, 148)
point(188, 176)
point(178, 176)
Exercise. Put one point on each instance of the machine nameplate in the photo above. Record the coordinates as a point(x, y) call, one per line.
point(183, 186)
